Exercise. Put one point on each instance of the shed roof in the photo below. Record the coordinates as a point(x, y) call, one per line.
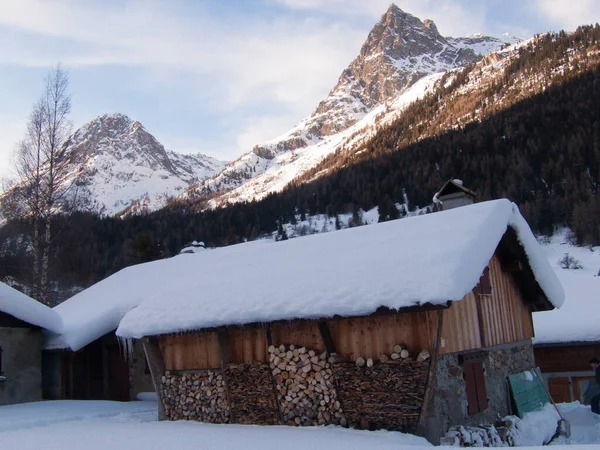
point(28, 310)
point(428, 259)
point(453, 186)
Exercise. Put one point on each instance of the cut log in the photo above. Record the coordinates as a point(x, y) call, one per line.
point(360, 361)
point(423, 356)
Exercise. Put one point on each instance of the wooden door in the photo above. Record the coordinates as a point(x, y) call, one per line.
point(560, 389)
point(580, 384)
point(118, 374)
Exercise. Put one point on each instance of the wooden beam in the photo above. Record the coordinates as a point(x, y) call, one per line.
point(223, 346)
point(478, 300)
point(326, 336)
point(269, 339)
point(431, 379)
point(512, 266)
point(157, 370)
point(223, 340)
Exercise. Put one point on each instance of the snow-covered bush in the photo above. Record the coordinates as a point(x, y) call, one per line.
point(568, 262)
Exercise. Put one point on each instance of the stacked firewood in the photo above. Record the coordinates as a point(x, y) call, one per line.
point(384, 393)
point(305, 386)
point(195, 396)
point(399, 352)
point(251, 396)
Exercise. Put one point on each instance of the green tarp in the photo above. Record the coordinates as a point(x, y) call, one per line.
point(528, 391)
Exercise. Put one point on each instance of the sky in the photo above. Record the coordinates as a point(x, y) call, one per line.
point(217, 76)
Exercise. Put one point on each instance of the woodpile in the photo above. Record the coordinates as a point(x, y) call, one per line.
point(251, 394)
point(195, 396)
point(384, 393)
point(305, 386)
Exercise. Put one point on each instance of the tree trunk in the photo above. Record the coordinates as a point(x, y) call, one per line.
point(44, 293)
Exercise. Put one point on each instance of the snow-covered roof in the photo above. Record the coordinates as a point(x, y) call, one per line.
point(577, 320)
point(28, 310)
point(431, 259)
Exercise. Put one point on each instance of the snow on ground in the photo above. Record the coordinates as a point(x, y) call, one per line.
point(577, 320)
point(42, 414)
point(537, 427)
point(585, 425)
point(99, 425)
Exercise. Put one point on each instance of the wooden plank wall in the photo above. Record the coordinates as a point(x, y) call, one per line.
point(299, 332)
point(369, 337)
point(566, 358)
point(504, 316)
point(247, 345)
point(460, 329)
point(189, 351)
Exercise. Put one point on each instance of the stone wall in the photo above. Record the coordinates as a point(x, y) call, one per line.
point(195, 396)
point(384, 395)
point(140, 379)
point(449, 403)
point(21, 365)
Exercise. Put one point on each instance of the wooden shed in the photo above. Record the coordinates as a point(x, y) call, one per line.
point(567, 338)
point(365, 338)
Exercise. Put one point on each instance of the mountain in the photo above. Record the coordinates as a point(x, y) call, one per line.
point(383, 79)
point(120, 168)
point(523, 123)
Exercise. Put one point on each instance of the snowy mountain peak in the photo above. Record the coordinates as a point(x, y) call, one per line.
point(399, 51)
point(121, 168)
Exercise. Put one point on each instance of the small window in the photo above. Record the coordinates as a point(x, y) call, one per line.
point(474, 375)
point(484, 287)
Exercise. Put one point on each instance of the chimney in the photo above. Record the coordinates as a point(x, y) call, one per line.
point(453, 195)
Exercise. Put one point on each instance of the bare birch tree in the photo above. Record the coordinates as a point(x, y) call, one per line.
point(56, 110)
point(46, 183)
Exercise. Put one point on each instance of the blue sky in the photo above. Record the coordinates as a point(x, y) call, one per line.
point(217, 76)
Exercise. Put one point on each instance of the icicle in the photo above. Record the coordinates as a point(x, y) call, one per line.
point(126, 347)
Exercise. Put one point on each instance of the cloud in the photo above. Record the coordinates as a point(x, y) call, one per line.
point(569, 14)
point(453, 18)
point(283, 60)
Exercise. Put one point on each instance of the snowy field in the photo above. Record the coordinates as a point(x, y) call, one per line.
point(100, 425)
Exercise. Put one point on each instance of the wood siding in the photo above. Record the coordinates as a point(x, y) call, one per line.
point(460, 330)
point(507, 318)
point(371, 336)
point(247, 345)
point(190, 351)
point(565, 358)
point(300, 333)
point(487, 320)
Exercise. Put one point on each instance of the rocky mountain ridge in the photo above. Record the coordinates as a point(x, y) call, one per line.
point(120, 168)
point(399, 51)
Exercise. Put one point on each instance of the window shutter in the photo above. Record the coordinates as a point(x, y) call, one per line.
point(471, 388)
point(482, 398)
point(474, 375)
point(484, 287)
